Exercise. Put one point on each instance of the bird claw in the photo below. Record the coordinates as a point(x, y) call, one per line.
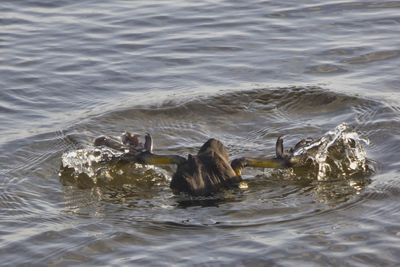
point(129, 143)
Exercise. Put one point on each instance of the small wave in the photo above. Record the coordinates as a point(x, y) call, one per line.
point(373, 57)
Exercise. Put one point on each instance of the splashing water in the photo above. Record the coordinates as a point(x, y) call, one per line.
point(91, 167)
point(88, 160)
point(338, 154)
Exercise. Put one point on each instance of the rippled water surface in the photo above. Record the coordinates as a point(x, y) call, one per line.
point(244, 72)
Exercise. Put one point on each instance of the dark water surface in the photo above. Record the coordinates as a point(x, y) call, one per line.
point(244, 72)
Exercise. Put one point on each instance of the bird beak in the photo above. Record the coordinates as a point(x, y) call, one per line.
point(154, 159)
point(148, 144)
point(272, 163)
point(279, 147)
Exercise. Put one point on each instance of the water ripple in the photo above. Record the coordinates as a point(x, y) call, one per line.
point(242, 72)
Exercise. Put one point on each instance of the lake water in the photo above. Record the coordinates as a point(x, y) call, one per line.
point(244, 72)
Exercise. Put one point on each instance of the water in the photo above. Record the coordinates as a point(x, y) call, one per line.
point(185, 71)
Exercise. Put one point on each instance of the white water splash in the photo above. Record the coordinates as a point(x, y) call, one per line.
point(87, 160)
point(91, 166)
point(339, 153)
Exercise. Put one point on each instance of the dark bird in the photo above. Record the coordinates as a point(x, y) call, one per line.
point(210, 170)
point(203, 174)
